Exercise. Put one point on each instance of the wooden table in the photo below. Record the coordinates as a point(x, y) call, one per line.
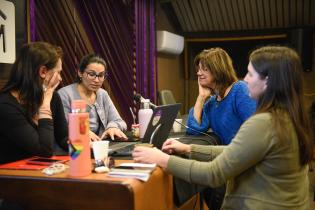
point(34, 190)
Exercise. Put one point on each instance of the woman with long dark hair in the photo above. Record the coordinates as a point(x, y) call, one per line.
point(31, 113)
point(266, 164)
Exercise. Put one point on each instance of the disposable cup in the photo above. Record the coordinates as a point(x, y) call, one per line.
point(177, 126)
point(100, 150)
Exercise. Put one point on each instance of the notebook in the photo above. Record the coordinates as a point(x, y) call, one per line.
point(157, 131)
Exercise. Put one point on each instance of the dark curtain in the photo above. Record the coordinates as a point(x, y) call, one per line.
point(121, 31)
point(146, 49)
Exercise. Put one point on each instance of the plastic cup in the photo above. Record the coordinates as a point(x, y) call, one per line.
point(176, 126)
point(100, 150)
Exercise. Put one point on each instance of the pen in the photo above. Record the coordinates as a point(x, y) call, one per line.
point(133, 115)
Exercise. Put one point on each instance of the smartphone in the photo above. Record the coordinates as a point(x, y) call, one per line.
point(123, 167)
point(43, 161)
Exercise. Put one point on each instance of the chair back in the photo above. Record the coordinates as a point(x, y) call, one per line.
point(166, 97)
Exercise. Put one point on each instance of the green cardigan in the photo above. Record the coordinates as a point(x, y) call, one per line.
point(260, 171)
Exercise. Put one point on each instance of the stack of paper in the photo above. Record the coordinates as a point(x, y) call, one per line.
point(148, 166)
point(133, 170)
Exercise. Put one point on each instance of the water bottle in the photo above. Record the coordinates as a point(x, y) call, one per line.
point(79, 140)
point(144, 116)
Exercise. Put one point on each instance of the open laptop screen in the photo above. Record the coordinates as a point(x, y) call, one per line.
point(160, 124)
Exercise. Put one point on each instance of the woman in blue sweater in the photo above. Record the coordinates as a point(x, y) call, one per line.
point(223, 103)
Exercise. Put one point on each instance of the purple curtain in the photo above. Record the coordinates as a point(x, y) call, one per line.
point(146, 49)
point(109, 26)
point(33, 20)
point(121, 31)
point(57, 22)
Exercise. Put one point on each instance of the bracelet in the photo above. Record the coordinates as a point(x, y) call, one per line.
point(45, 111)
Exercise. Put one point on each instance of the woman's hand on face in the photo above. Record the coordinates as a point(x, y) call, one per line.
point(49, 86)
point(204, 92)
point(52, 82)
point(150, 155)
point(94, 137)
point(172, 146)
point(112, 132)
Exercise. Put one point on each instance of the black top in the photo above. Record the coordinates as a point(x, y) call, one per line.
point(20, 137)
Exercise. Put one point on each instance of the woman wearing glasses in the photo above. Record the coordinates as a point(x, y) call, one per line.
point(223, 104)
point(104, 117)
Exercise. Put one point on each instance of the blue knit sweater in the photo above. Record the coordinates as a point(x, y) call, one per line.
point(224, 117)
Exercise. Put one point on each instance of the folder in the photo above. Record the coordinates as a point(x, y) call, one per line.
point(23, 165)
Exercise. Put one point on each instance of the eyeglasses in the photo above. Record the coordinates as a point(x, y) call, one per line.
point(201, 69)
point(92, 75)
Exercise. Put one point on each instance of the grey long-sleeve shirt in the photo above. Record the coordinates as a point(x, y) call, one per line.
point(107, 115)
point(260, 171)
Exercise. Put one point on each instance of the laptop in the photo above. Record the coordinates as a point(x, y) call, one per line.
point(157, 131)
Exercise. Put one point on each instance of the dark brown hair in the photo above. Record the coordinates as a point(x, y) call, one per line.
point(284, 94)
point(88, 59)
point(24, 77)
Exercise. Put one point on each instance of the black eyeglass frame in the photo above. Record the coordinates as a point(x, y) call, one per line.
point(92, 75)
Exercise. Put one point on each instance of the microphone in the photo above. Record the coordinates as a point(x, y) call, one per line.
point(138, 98)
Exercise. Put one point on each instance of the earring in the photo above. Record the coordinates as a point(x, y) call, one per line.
point(44, 87)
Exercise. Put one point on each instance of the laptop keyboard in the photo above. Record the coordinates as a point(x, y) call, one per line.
point(121, 149)
point(114, 146)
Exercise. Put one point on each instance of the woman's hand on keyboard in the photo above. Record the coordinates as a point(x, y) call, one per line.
point(93, 136)
point(112, 132)
point(142, 154)
point(172, 146)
